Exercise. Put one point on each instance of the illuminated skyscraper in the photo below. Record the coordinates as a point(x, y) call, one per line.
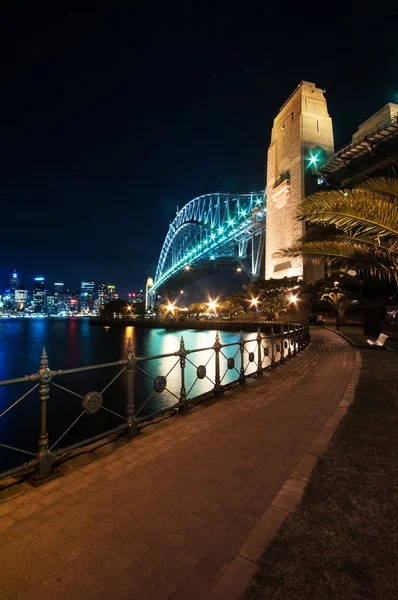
point(39, 295)
point(14, 281)
point(111, 292)
point(87, 295)
point(21, 298)
point(102, 294)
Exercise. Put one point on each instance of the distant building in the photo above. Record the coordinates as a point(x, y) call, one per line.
point(111, 293)
point(58, 287)
point(52, 304)
point(102, 294)
point(21, 298)
point(14, 281)
point(87, 295)
point(74, 302)
point(39, 295)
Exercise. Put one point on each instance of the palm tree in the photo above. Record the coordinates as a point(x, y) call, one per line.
point(359, 229)
point(274, 305)
point(231, 306)
point(196, 308)
point(342, 302)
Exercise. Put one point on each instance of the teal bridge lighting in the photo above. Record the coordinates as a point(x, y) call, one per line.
point(221, 228)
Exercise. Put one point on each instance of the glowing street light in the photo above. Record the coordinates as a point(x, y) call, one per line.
point(293, 299)
point(170, 307)
point(187, 268)
point(181, 291)
point(254, 302)
point(212, 304)
point(239, 270)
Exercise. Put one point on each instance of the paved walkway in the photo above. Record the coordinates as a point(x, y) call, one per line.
point(163, 517)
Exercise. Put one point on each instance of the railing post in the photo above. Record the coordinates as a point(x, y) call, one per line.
point(282, 352)
point(242, 379)
point(289, 342)
point(44, 457)
point(308, 334)
point(294, 340)
point(132, 427)
point(272, 347)
point(259, 373)
point(218, 390)
point(184, 409)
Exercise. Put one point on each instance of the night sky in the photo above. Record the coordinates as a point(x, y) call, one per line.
point(112, 116)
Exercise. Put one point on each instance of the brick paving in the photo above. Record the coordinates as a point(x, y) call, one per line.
point(164, 516)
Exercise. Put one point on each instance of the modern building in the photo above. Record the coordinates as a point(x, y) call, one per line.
point(39, 297)
point(14, 281)
point(20, 298)
point(58, 287)
point(52, 304)
point(301, 140)
point(87, 296)
point(111, 293)
point(102, 294)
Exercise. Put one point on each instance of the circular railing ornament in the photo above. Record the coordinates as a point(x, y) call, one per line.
point(251, 356)
point(231, 362)
point(278, 348)
point(159, 384)
point(92, 402)
point(285, 344)
point(201, 372)
point(266, 351)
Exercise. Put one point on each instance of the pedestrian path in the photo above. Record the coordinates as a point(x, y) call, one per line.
point(164, 516)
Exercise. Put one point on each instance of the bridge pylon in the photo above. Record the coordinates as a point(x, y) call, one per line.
point(301, 140)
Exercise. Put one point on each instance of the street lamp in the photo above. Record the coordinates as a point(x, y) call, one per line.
point(239, 270)
point(212, 305)
point(293, 299)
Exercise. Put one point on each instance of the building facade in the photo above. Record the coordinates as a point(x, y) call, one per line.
point(87, 295)
point(301, 139)
point(39, 300)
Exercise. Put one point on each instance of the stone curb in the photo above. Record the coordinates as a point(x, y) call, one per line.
point(239, 574)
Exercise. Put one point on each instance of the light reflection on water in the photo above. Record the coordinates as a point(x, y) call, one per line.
point(74, 343)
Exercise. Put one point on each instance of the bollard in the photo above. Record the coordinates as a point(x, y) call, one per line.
point(184, 409)
point(259, 373)
point(218, 390)
point(242, 379)
point(132, 427)
point(44, 457)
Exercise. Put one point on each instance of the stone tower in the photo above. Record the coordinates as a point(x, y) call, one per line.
point(302, 137)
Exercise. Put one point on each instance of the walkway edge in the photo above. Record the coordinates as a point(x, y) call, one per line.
point(239, 574)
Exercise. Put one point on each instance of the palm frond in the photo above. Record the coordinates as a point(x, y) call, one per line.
point(382, 185)
point(347, 255)
point(361, 212)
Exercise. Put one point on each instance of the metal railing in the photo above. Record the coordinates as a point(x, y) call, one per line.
point(222, 366)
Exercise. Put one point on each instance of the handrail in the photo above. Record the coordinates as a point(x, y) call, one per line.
point(271, 350)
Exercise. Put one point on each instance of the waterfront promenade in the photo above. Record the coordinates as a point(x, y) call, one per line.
point(164, 516)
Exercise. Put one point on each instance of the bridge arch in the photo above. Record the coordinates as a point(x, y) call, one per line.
point(214, 227)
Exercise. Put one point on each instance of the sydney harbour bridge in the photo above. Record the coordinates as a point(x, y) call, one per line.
point(210, 233)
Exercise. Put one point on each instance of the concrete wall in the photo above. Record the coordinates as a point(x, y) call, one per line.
point(302, 124)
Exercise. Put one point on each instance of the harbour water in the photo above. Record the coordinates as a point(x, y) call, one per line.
point(72, 343)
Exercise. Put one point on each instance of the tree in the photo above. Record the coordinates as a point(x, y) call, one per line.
point(274, 305)
point(264, 288)
point(196, 308)
point(115, 309)
point(231, 306)
point(342, 302)
point(358, 229)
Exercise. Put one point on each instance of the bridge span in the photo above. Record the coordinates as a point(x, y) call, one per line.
point(209, 233)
